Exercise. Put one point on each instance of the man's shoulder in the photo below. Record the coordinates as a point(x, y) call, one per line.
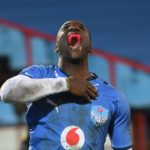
point(41, 67)
point(107, 89)
point(38, 71)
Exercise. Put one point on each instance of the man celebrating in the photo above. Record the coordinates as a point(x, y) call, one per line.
point(69, 107)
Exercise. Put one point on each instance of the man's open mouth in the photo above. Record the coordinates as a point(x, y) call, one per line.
point(74, 40)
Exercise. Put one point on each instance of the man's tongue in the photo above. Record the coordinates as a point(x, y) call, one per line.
point(74, 39)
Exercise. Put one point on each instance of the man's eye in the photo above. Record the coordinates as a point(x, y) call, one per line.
point(81, 27)
point(65, 28)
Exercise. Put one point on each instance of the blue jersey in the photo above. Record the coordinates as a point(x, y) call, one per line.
point(65, 121)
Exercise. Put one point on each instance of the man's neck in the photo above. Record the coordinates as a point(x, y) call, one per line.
point(79, 70)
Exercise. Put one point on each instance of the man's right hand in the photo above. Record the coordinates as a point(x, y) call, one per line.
point(82, 87)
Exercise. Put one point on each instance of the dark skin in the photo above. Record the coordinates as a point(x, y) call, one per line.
point(74, 60)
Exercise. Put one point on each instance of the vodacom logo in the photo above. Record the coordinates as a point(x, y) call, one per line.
point(72, 138)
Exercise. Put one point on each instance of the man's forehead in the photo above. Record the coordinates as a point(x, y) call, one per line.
point(73, 22)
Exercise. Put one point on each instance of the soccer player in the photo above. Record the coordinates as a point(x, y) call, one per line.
point(68, 106)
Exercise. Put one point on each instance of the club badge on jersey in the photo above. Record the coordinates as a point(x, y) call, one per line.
point(99, 115)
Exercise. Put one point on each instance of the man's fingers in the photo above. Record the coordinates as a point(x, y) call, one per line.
point(87, 97)
point(91, 94)
point(93, 89)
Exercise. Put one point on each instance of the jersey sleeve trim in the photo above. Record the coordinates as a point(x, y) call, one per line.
point(122, 147)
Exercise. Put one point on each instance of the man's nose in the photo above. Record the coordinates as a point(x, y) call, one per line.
point(74, 28)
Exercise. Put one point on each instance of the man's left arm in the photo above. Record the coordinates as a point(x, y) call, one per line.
point(120, 130)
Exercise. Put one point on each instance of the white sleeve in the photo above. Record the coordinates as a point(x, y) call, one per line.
point(24, 89)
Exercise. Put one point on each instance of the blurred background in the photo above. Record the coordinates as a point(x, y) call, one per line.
point(120, 31)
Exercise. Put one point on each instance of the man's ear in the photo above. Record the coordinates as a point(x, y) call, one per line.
point(56, 49)
point(90, 50)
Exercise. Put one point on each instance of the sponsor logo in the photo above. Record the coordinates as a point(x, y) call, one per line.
point(99, 115)
point(72, 138)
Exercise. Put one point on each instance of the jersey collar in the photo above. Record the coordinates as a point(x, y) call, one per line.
point(63, 74)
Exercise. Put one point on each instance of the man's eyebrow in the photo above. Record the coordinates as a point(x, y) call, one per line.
point(71, 23)
point(65, 25)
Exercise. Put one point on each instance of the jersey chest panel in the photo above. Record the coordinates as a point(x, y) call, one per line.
point(89, 122)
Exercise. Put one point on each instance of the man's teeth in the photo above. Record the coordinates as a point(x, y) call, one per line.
point(75, 47)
